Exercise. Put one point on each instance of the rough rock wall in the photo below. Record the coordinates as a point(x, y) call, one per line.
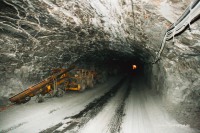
point(183, 90)
point(177, 76)
point(38, 35)
point(179, 85)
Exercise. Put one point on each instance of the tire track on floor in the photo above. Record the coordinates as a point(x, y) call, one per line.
point(103, 119)
point(91, 110)
point(116, 121)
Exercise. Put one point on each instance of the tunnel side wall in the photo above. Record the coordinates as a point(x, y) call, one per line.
point(178, 83)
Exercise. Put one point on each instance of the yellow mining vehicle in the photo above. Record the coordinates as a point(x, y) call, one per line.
point(60, 81)
point(82, 79)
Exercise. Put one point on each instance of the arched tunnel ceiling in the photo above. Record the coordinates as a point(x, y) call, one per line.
point(46, 29)
point(104, 56)
point(38, 35)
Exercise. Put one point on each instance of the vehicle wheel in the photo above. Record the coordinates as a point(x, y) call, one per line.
point(59, 93)
point(39, 99)
point(26, 99)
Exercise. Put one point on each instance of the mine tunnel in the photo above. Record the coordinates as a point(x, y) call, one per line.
point(99, 66)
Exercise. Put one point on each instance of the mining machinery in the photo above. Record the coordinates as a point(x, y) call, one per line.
point(57, 84)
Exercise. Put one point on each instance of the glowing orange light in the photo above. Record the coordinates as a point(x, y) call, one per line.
point(134, 67)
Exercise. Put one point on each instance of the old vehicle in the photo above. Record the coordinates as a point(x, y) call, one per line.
point(60, 81)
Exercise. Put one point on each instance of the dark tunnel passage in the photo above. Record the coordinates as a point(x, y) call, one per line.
point(99, 66)
point(115, 63)
point(110, 61)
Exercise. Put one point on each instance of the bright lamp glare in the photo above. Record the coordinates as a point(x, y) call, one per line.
point(134, 67)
